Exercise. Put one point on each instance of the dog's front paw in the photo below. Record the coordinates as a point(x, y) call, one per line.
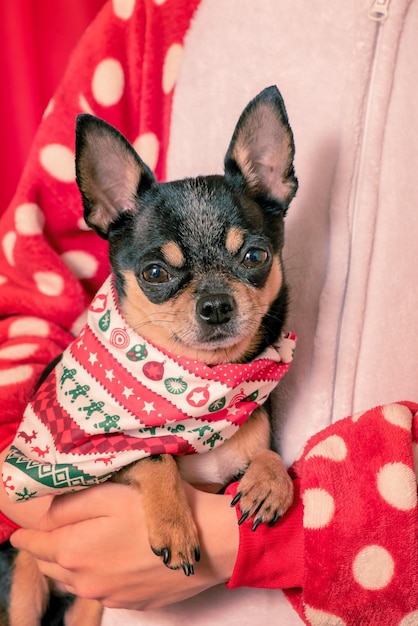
point(172, 533)
point(265, 492)
point(175, 540)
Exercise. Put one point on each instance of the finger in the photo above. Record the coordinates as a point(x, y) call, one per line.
point(36, 542)
point(63, 579)
point(76, 507)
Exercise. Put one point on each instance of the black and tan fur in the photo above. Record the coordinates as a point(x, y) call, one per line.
point(199, 271)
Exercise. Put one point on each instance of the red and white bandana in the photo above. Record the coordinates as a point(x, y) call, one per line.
point(115, 398)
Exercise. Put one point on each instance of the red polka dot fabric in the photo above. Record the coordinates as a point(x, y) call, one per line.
point(123, 70)
point(359, 494)
point(358, 480)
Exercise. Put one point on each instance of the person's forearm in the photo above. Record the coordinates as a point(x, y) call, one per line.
point(95, 543)
point(218, 531)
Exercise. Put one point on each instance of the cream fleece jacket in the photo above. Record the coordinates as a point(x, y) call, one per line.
point(349, 83)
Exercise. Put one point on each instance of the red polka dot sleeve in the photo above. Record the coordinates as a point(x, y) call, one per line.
point(351, 538)
point(123, 70)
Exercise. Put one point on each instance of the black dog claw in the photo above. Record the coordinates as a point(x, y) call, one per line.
point(188, 569)
point(156, 552)
point(164, 554)
point(275, 519)
point(256, 524)
point(235, 500)
point(243, 517)
point(197, 554)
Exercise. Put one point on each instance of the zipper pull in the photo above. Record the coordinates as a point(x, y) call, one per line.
point(379, 11)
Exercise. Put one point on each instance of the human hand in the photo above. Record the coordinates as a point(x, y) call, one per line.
point(94, 542)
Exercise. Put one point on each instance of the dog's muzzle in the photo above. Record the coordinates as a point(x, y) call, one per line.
point(216, 308)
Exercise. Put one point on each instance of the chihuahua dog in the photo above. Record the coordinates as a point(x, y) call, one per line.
point(197, 271)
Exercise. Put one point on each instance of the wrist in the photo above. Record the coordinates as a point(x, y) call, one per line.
point(219, 534)
point(271, 557)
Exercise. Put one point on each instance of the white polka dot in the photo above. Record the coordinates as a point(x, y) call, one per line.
point(123, 8)
point(396, 483)
point(79, 323)
point(159, 2)
point(33, 326)
point(415, 453)
point(332, 447)
point(321, 618)
point(49, 108)
point(398, 415)
point(319, 508)
point(148, 146)
point(29, 219)
point(171, 66)
point(15, 375)
point(409, 620)
point(49, 283)
point(373, 567)
point(82, 264)
point(108, 82)
point(58, 161)
point(20, 351)
point(357, 416)
point(3, 280)
point(84, 105)
point(81, 223)
point(9, 241)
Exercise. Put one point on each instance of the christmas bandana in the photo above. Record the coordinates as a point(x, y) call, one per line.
point(115, 398)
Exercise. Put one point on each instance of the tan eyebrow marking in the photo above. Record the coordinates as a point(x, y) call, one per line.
point(173, 254)
point(234, 239)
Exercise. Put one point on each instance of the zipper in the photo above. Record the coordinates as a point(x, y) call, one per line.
point(379, 11)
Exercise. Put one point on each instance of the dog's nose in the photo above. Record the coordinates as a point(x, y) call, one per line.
point(216, 308)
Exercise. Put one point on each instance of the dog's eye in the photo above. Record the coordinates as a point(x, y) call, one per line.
point(155, 274)
point(254, 258)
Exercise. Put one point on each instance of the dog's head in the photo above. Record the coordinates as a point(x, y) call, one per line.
point(198, 262)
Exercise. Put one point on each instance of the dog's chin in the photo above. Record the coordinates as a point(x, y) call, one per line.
point(218, 348)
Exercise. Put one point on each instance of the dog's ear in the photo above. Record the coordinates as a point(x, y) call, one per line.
point(261, 151)
point(109, 173)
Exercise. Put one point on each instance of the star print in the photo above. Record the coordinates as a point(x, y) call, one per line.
point(109, 375)
point(197, 398)
point(148, 407)
point(127, 392)
point(233, 410)
point(93, 358)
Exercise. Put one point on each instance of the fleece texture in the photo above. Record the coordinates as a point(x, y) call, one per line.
point(173, 77)
point(358, 488)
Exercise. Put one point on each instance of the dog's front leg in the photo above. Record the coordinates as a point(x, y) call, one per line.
point(265, 491)
point(171, 529)
point(84, 612)
point(29, 592)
